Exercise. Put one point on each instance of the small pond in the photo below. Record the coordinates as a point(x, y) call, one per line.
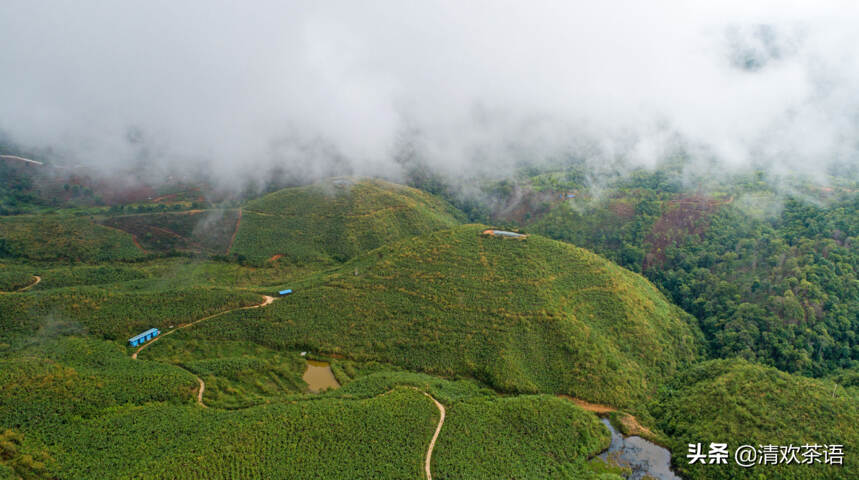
point(644, 458)
point(319, 376)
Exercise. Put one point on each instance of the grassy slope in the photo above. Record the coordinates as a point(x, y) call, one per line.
point(742, 403)
point(237, 374)
point(524, 316)
point(489, 436)
point(86, 275)
point(99, 414)
point(195, 230)
point(507, 438)
point(14, 277)
point(323, 221)
point(64, 377)
point(51, 238)
point(382, 437)
point(111, 313)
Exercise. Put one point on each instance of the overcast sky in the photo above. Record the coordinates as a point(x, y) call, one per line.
point(465, 84)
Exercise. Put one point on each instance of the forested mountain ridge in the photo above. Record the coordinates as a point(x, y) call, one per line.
point(770, 278)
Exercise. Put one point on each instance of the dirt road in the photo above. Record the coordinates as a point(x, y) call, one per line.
point(266, 301)
point(434, 436)
point(133, 236)
point(36, 280)
point(200, 393)
point(441, 411)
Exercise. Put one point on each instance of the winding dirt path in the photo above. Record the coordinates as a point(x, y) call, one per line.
point(200, 392)
point(266, 301)
point(441, 411)
point(36, 280)
point(434, 436)
point(137, 244)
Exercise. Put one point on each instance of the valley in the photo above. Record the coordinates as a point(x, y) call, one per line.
point(411, 340)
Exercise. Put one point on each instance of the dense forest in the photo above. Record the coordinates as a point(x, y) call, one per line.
point(778, 287)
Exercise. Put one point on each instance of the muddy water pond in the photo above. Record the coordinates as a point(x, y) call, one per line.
point(319, 377)
point(644, 458)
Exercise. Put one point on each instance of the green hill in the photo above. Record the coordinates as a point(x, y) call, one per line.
point(63, 238)
point(336, 220)
point(532, 315)
point(741, 403)
point(771, 276)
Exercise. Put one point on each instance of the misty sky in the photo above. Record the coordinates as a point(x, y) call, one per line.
point(464, 85)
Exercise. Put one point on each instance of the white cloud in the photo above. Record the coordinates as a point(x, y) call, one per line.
point(473, 84)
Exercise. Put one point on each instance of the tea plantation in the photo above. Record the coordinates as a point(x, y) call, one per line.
point(523, 316)
point(405, 303)
point(336, 220)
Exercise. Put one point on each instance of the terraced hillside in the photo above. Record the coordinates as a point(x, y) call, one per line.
point(532, 315)
point(336, 220)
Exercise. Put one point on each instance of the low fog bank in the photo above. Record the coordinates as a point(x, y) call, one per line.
point(239, 92)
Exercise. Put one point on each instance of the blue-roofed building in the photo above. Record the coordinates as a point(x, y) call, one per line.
point(285, 292)
point(144, 337)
